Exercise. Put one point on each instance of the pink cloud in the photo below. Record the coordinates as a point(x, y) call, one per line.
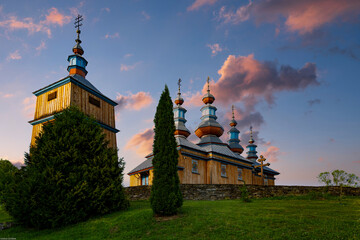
point(142, 142)
point(215, 48)
point(14, 56)
point(52, 18)
point(145, 15)
point(134, 101)
point(321, 159)
point(357, 161)
point(8, 95)
point(272, 153)
point(41, 47)
point(200, 3)
point(240, 15)
point(124, 67)
point(112, 36)
point(307, 15)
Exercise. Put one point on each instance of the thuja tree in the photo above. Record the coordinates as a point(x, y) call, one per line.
point(69, 176)
point(166, 196)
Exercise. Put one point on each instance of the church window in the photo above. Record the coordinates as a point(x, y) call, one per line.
point(52, 96)
point(223, 170)
point(145, 178)
point(94, 101)
point(240, 174)
point(195, 165)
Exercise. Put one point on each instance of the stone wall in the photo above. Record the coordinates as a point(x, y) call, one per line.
point(229, 191)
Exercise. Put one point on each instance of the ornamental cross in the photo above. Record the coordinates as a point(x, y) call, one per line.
point(208, 83)
point(233, 111)
point(179, 84)
point(262, 165)
point(78, 21)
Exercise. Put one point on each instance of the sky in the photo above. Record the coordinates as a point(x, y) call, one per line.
point(291, 69)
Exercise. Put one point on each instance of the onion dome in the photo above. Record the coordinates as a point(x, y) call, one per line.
point(77, 63)
point(251, 154)
point(179, 116)
point(209, 130)
point(234, 141)
point(208, 97)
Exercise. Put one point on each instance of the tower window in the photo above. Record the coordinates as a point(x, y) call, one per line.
point(223, 170)
point(94, 101)
point(195, 165)
point(52, 96)
point(145, 178)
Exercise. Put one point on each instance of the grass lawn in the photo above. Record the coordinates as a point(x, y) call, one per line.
point(228, 219)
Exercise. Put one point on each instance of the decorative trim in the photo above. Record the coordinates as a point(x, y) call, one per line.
point(48, 118)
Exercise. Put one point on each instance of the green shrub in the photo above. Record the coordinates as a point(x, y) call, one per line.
point(7, 172)
point(245, 194)
point(69, 176)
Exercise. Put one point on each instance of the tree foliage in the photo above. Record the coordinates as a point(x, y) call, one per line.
point(166, 196)
point(339, 178)
point(7, 172)
point(69, 176)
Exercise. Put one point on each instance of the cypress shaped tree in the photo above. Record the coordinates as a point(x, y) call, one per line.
point(166, 196)
point(69, 176)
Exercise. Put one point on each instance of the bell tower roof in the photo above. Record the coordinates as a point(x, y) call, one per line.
point(234, 141)
point(179, 115)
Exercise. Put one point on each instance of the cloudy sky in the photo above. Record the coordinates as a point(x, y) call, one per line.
point(291, 68)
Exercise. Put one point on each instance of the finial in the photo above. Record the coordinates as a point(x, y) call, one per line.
point(232, 108)
point(251, 135)
point(179, 84)
point(208, 84)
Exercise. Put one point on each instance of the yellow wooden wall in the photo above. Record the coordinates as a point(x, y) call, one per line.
point(47, 108)
point(209, 173)
point(71, 94)
point(135, 179)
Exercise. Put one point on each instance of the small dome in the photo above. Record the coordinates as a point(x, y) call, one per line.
point(77, 49)
point(208, 98)
point(233, 123)
point(179, 100)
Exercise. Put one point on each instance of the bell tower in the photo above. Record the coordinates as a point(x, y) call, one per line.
point(74, 89)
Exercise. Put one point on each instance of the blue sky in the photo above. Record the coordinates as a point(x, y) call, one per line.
point(291, 68)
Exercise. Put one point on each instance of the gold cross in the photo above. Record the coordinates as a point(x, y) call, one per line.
point(262, 165)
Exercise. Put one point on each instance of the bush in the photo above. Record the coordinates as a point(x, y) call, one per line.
point(7, 172)
point(69, 176)
point(245, 194)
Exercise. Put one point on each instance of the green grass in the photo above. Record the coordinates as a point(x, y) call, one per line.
point(288, 218)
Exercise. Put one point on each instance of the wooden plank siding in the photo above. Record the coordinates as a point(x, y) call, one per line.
point(71, 94)
point(209, 172)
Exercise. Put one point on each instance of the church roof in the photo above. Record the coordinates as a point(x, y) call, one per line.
point(144, 165)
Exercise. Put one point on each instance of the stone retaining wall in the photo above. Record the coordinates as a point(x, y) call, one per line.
point(229, 191)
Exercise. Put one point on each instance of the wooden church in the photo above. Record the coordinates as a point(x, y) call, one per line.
point(210, 161)
point(74, 89)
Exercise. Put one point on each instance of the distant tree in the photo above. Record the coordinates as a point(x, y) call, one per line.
point(166, 196)
point(69, 176)
point(339, 178)
point(7, 172)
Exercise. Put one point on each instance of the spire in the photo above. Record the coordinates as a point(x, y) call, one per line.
point(77, 62)
point(208, 97)
point(251, 154)
point(209, 130)
point(234, 141)
point(179, 100)
point(179, 115)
